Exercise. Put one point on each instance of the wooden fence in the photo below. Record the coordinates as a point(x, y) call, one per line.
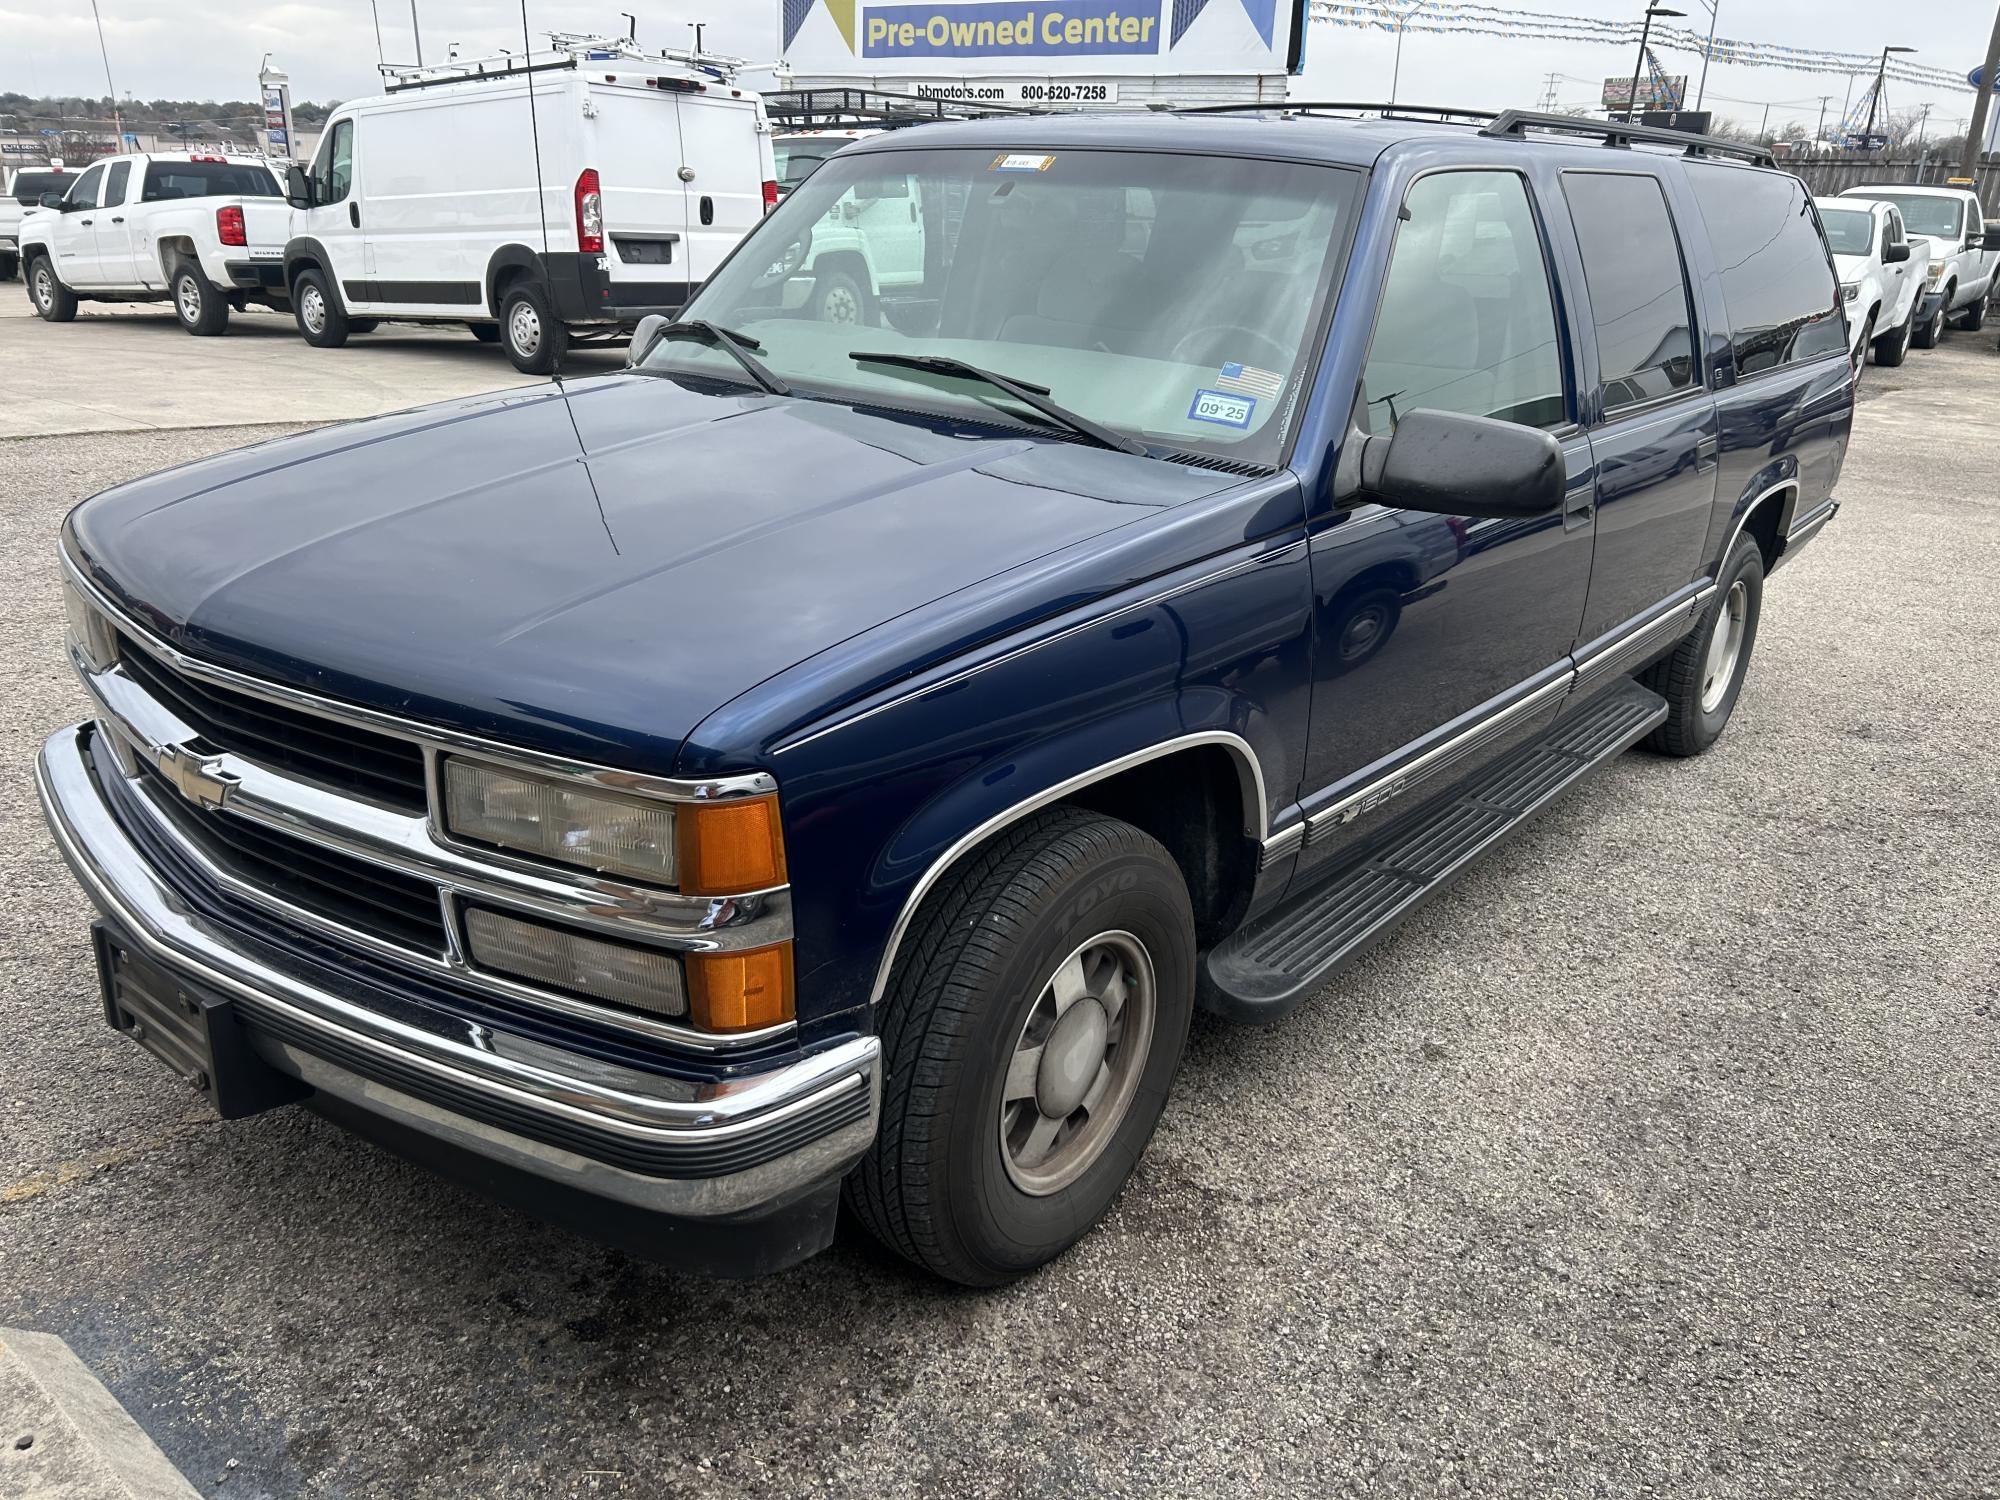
point(1826, 176)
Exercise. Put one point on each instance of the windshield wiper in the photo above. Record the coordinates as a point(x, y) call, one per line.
point(736, 345)
point(1035, 397)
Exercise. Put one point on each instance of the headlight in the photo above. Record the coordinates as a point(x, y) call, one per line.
point(1937, 270)
point(91, 633)
point(1849, 290)
point(642, 979)
point(554, 820)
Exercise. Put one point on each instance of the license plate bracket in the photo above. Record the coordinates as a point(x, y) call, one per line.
point(195, 1031)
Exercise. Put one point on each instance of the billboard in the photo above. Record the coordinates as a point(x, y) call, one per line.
point(1043, 39)
point(1665, 93)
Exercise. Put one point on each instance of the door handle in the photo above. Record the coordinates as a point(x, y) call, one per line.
point(354, 214)
point(119, 220)
point(86, 223)
point(707, 210)
point(1707, 451)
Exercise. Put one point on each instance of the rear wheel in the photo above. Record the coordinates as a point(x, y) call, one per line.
point(1031, 1032)
point(534, 338)
point(53, 302)
point(838, 298)
point(1701, 677)
point(1974, 317)
point(322, 320)
point(200, 307)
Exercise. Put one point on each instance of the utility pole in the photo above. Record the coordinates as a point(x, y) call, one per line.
point(1402, 25)
point(1975, 135)
point(1702, 92)
point(1819, 134)
point(1764, 130)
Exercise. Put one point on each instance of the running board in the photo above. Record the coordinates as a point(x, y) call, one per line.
point(1265, 968)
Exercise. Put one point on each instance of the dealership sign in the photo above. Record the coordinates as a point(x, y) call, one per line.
point(1042, 38)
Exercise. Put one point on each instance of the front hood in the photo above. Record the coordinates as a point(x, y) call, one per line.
point(589, 570)
point(1850, 267)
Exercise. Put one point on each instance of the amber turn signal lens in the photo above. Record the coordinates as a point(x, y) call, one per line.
point(740, 991)
point(727, 848)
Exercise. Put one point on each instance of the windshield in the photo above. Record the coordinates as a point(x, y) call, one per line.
point(29, 186)
point(1849, 231)
point(1172, 299)
point(1923, 214)
point(799, 156)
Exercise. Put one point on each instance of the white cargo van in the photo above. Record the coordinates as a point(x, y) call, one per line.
point(421, 204)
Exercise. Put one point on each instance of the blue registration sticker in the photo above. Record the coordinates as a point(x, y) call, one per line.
point(1222, 407)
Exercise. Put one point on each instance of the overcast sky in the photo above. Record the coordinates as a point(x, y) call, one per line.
point(197, 49)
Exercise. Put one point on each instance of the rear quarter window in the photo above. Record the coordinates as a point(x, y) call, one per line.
point(1778, 286)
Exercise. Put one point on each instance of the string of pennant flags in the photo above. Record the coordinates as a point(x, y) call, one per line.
point(1464, 17)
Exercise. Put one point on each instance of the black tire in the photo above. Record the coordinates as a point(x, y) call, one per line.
point(535, 340)
point(363, 325)
point(974, 972)
point(838, 298)
point(1893, 347)
point(10, 265)
point(1697, 713)
point(1861, 346)
point(1932, 328)
point(1974, 317)
point(201, 308)
point(486, 333)
point(317, 309)
point(53, 302)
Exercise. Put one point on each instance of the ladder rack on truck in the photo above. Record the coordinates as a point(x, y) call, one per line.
point(567, 51)
point(858, 108)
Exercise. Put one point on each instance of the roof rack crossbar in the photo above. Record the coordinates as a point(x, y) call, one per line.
point(1518, 122)
point(830, 108)
point(1437, 113)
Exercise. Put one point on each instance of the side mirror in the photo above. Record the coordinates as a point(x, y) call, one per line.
point(53, 200)
point(1895, 255)
point(298, 187)
point(1455, 465)
point(644, 337)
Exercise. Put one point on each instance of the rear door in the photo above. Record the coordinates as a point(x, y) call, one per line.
point(117, 262)
point(725, 156)
point(634, 145)
point(1652, 421)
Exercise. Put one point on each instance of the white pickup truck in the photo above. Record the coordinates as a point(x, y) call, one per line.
point(1960, 271)
point(24, 191)
point(204, 232)
point(1881, 269)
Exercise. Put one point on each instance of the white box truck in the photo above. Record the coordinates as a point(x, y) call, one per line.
point(422, 204)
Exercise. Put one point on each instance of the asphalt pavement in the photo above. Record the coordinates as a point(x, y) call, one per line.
point(1658, 1157)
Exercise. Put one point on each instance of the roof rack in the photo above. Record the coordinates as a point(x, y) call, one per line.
point(1518, 122)
point(1433, 114)
point(828, 109)
point(567, 51)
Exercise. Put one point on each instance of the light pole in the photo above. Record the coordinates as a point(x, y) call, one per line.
point(1875, 99)
point(1402, 25)
point(416, 32)
point(1975, 135)
point(1701, 92)
point(1645, 35)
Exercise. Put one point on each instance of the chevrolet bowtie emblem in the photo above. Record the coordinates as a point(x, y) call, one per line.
point(199, 777)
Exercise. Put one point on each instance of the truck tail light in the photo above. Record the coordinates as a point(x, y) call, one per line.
point(770, 195)
point(589, 213)
point(229, 225)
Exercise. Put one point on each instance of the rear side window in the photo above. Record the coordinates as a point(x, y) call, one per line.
point(1467, 324)
point(1777, 284)
point(169, 180)
point(1638, 286)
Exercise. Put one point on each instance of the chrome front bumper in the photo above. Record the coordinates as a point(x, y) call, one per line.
point(654, 1143)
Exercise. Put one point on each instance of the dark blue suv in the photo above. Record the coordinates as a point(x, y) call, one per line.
point(829, 760)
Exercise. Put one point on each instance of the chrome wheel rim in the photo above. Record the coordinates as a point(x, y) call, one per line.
point(312, 309)
point(1076, 1062)
point(1725, 647)
point(524, 329)
point(45, 288)
point(187, 296)
point(840, 306)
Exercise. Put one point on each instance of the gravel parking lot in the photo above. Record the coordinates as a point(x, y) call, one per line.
point(1658, 1157)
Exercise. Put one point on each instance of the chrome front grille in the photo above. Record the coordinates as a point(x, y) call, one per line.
point(341, 756)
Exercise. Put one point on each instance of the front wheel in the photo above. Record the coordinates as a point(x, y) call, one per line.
point(1701, 677)
point(534, 337)
point(322, 320)
point(53, 302)
point(839, 298)
point(199, 306)
point(1861, 347)
point(1932, 328)
point(1031, 1031)
point(1894, 346)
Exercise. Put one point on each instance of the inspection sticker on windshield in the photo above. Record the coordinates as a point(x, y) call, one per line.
point(1222, 407)
point(1017, 162)
point(1248, 380)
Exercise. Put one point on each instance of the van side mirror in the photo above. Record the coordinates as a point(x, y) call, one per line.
point(644, 337)
point(1454, 465)
point(298, 187)
point(53, 200)
point(1895, 255)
